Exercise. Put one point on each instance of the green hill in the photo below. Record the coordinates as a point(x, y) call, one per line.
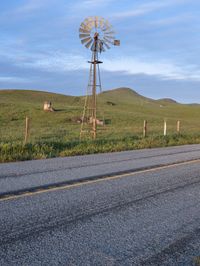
point(125, 108)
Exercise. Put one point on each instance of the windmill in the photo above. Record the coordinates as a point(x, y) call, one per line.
point(96, 34)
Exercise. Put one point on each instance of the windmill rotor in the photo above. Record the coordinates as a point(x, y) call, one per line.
point(96, 25)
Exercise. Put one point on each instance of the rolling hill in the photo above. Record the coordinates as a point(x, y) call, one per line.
point(124, 107)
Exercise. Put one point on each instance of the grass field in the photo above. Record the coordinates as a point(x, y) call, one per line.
point(123, 107)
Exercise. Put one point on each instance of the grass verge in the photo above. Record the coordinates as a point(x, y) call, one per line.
point(10, 152)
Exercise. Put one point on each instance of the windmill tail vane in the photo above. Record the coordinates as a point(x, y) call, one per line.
point(95, 34)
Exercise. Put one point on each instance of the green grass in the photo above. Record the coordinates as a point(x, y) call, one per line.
point(10, 152)
point(56, 134)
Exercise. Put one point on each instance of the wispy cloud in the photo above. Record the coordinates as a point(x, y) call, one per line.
point(172, 20)
point(29, 6)
point(27, 9)
point(162, 68)
point(146, 8)
point(12, 79)
point(61, 62)
point(58, 62)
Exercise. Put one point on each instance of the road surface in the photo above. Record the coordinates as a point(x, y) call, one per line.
point(127, 208)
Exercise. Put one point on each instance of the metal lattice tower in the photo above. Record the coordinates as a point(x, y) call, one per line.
point(96, 34)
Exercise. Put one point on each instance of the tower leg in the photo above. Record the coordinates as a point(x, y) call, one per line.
point(94, 107)
point(89, 118)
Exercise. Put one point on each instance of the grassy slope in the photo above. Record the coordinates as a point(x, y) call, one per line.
point(131, 109)
point(52, 133)
point(16, 105)
point(127, 115)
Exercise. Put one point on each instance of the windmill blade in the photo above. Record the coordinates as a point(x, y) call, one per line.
point(109, 36)
point(89, 23)
point(89, 19)
point(84, 31)
point(82, 36)
point(93, 47)
point(101, 23)
point(87, 28)
point(107, 46)
point(86, 25)
point(107, 26)
point(86, 21)
point(101, 48)
point(107, 40)
point(88, 44)
point(96, 20)
point(86, 40)
point(83, 25)
point(110, 40)
point(108, 23)
point(110, 32)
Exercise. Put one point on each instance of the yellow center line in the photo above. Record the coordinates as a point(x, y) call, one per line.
point(88, 182)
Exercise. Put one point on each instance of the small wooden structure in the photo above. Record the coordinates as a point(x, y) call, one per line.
point(48, 107)
point(98, 121)
point(90, 121)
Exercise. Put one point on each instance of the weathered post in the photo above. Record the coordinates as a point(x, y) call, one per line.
point(145, 129)
point(26, 130)
point(178, 126)
point(165, 127)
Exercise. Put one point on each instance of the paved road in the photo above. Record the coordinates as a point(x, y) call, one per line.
point(128, 208)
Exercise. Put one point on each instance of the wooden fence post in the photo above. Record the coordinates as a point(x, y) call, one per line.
point(165, 127)
point(27, 130)
point(145, 129)
point(178, 126)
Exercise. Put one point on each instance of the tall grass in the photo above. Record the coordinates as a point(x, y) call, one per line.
point(16, 151)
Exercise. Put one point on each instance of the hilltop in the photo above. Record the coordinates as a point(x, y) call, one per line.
point(166, 100)
point(122, 94)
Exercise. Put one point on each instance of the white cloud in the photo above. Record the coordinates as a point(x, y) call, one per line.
point(140, 10)
point(56, 62)
point(12, 79)
point(29, 7)
point(164, 69)
point(172, 20)
point(146, 8)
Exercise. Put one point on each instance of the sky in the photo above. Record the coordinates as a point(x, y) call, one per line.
point(159, 56)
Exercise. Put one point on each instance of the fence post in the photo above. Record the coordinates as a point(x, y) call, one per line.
point(145, 129)
point(165, 127)
point(178, 126)
point(27, 130)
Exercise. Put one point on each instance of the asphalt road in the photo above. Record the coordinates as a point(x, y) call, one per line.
point(129, 208)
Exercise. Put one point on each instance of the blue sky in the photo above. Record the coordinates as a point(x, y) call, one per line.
point(159, 54)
